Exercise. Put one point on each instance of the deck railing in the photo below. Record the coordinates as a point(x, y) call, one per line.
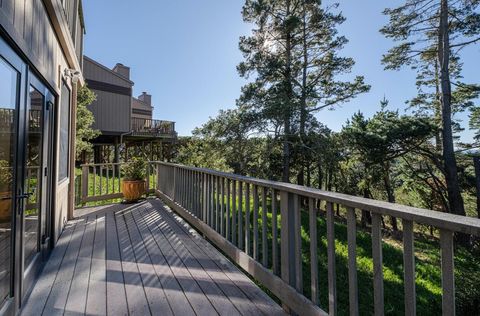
point(150, 127)
point(102, 181)
point(237, 214)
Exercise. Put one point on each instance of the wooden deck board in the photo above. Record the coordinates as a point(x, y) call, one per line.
point(141, 260)
point(77, 296)
point(213, 293)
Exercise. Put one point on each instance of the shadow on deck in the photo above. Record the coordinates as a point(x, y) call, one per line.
point(141, 259)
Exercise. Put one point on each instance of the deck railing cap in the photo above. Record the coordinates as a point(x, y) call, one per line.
point(452, 222)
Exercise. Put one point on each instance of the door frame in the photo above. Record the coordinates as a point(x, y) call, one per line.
point(27, 75)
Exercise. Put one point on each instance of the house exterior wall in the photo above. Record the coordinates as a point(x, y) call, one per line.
point(48, 35)
point(112, 108)
point(141, 110)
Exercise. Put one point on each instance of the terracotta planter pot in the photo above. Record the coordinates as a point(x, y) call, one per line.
point(5, 207)
point(133, 190)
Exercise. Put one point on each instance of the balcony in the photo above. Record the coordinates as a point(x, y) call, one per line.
point(153, 128)
point(150, 258)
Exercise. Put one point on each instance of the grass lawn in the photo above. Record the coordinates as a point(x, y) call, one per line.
point(101, 185)
point(427, 261)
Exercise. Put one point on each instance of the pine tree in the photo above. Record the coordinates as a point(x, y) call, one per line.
point(439, 28)
point(85, 119)
point(293, 56)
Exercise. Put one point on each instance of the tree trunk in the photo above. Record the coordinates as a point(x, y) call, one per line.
point(455, 199)
point(476, 163)
point(390, 193)
point(320, 174)
point(366, 216)
point(303, 101)
point(438, 111)
point(309, 175)
point(289, 94)
point(453, 188)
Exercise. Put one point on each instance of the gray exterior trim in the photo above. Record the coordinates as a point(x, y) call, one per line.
point(103, 86)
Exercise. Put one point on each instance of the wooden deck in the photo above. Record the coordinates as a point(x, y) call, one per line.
point(141, 259)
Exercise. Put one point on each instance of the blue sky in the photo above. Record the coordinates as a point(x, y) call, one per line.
point(184, 53)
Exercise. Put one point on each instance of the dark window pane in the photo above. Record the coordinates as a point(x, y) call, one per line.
point(8, 135)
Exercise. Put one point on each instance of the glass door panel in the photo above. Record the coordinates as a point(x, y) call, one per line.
point(9, 83)
point(33, 178)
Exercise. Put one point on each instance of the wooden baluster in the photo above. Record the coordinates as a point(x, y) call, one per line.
point(240, 215)
point(332, 275)
point(378, 296)
point(85, 175)
point(94, 180)
point(352, 260)
point(255, 222)
point(222, 208)
point(204, 197)
point(227, 220)
point(275, 264)
point(247, 218)
point(234, 214)
point(119, 178)
point(448, 277)
point(191, 175)
point(312, 212)
point(409, 268)
point(209, 200)
point(212, 201)
point(217, 214)
point(101, 179)
point(298, 244)
point(264, 227)
point(113, 178)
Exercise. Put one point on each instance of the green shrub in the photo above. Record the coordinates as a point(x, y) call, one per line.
point(135, 170)
point(6, 177)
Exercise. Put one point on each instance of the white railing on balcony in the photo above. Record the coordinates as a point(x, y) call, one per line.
point(236, 213)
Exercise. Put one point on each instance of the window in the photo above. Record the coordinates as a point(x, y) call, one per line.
point(64, 140)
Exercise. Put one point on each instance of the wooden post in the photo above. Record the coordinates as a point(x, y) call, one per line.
point(84, 184)
point(287, 235)
point(448, 277)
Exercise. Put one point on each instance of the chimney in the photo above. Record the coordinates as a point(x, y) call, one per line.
point(146, 98)
point(122, 70)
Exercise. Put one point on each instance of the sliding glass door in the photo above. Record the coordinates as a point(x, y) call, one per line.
point(26, 138)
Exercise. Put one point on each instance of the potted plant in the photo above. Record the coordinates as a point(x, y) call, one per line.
point(6, 180)
point(133, 185)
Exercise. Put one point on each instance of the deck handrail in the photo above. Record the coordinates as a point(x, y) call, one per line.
point(213, 202)
point(453, 222)
point(152, 126)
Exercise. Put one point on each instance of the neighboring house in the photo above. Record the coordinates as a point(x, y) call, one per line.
point(120, 117)
point(41, 43)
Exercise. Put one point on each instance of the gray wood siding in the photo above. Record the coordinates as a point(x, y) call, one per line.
point(93, 71)
point(112, 112)
point(27, 23)
point(144, 108)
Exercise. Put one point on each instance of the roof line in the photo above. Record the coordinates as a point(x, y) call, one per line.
point(108, 69)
